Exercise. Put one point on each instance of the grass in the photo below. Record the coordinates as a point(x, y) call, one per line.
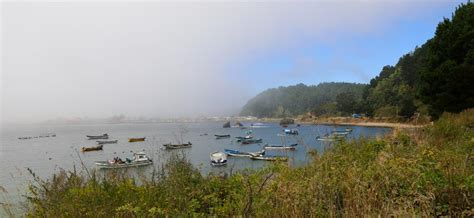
point(423, 172)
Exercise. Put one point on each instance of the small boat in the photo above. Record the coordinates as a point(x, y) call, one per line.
point(177, 146)
point(104, 136)
point(240, 138)
point(95, 148)
point(236, 153)
point(107, 142)
point(330, 138)
point(258, 125)
point(340, 133)
point(136, 139)
point(222, 136)
point(251, 141)
point(291, 131)
point(270, 158)
point(218, 159)
point(287, 147)
point(139, 159)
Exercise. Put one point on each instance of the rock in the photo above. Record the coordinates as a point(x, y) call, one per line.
point(287, 121)
point(226, 125)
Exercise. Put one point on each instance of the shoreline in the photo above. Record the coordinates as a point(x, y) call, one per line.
point(344, 121)
point(367, 124)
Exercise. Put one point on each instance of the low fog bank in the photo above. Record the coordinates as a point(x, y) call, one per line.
point(151, 59)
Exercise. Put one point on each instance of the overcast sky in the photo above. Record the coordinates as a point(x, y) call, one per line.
point(161, 59)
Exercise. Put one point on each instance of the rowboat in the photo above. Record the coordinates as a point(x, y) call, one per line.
point(107, 142)
point(270, 158)
point(139, 159)
point(104, 136)
point(222, 136)
point(251, 141)
point(287, 147)
point(330, 138)
point(218, 158)
point(236, 153)
point(136, 139)
point(177, 146)
point(95, 148)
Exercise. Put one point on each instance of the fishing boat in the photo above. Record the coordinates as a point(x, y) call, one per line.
point(222, 136)
point(280, 147)
point(236, 153)
point(177, 146)
point(94, 148)
point(251, 141)
point(104, 136)
point(218, 158)
point(139, 159)
point(107, 142)
point(136, 139)
point(291, 131)
point(269, 158)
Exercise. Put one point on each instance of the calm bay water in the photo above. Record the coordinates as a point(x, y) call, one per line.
point(46, 156)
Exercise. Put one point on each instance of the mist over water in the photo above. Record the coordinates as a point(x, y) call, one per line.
point(165, 59)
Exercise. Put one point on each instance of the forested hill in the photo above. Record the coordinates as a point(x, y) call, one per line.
point(298, 99)
point(438, 76)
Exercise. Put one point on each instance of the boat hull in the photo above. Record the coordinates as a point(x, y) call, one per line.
point(136, 139)
point(107, 165)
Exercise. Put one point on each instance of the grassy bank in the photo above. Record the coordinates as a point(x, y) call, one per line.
point(427, 172)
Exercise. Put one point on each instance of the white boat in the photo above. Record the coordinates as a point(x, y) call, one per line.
point(280, 147)
point(218, 158)
point(236, 153)
point(139, 159)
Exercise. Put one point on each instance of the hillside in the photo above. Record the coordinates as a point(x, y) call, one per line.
point(297, 99)
point(431, 79)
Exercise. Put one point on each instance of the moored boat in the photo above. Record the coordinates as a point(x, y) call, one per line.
point(104, 136)
point(222, 136)
point(291, 131)
point(107, 142)
point(236, 153)
point(177, 146)
point(139, 159)
point(94, 148)
point(136, 139)
point(251, 141)
point(330, 138)
point(270, 158)
point(283, 147)
point(218, 158)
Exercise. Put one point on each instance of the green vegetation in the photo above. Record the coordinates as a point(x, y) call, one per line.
point(434, 78)
point(298, 99)
point(424, 172)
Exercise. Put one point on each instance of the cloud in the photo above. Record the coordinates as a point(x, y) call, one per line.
point(158, 58)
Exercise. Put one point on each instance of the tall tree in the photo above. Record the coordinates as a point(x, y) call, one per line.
point(447, 77)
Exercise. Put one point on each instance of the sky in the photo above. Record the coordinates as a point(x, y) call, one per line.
point(193, 58)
